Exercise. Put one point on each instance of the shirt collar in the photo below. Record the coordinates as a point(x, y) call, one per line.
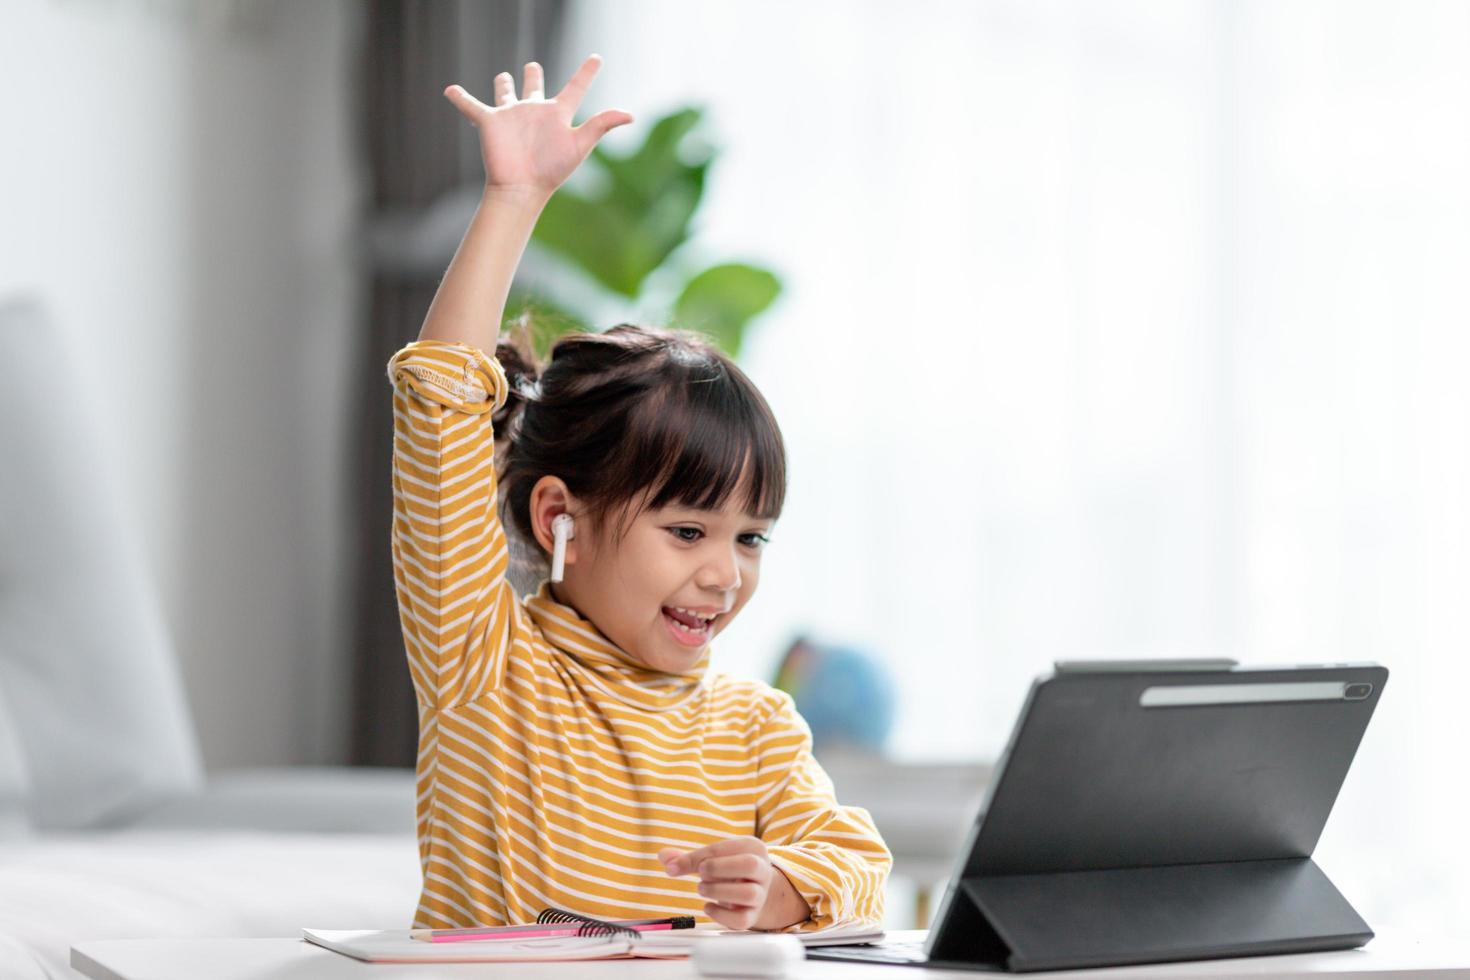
point(583, 648)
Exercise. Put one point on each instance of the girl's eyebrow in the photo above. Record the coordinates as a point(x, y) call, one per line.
point(694, 513)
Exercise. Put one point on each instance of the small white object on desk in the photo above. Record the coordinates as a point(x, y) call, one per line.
point(748, 956)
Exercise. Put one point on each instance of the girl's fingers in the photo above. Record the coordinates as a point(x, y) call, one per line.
point(573, 92)
point(505, 89)
point(596, 128)
point(733, 894)
point(533, 85)
point(738, 919)
point(735, 867)
point(466, 103)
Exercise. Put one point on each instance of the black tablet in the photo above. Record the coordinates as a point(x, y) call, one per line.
point(1150, 811)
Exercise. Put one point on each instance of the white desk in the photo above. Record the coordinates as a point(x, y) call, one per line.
point(1385, 958)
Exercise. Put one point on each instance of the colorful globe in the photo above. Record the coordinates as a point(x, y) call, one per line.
point(845, 695)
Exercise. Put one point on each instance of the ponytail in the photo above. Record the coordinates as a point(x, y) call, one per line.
point(517, 357)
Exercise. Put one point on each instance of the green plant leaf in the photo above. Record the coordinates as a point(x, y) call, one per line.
point(604, 242)
point(645, 174)
point(722, 299)
point(625, 226)
point(640, 213)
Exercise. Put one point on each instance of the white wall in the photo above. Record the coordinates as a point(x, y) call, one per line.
point(1125, 329)
point(995, 361)
point(177, 181)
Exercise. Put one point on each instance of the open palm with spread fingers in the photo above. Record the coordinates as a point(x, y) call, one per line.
point(529, 143)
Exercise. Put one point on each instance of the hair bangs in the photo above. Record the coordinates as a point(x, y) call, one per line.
point(639, 418)
point(709, 440)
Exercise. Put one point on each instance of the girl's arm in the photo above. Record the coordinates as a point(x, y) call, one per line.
point(470, 302)
point(831, 854)
point(459, 614)
point(529, 148)
point(812, 863)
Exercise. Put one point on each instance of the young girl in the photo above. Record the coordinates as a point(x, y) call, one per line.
point(574, 750)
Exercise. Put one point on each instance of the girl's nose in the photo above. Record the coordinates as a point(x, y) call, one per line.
point(721, 573)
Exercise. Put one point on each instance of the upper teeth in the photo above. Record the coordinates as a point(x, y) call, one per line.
point(704, 616)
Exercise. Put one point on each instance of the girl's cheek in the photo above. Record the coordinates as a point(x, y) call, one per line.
point(748, 583)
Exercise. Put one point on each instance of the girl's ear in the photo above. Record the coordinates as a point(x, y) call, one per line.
point(550, 497)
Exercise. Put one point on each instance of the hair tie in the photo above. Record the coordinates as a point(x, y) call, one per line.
point(529, 388)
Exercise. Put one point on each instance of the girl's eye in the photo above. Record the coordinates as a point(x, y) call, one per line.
point(751, 540)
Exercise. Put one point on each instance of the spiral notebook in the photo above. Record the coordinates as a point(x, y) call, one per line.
point(606, 941)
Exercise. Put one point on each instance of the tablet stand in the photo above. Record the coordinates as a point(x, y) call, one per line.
point(1071, 919)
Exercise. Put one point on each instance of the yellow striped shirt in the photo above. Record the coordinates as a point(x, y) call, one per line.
point(552, 767)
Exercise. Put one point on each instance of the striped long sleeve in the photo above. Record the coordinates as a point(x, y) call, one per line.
point(456, 607)
point(552, 767)
point(832, 854)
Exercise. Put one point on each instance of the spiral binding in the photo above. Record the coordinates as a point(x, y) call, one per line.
point(589, 927)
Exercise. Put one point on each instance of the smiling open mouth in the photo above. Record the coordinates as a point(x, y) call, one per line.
point(688, 628)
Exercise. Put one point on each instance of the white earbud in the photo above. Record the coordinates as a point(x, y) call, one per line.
point(561, 531)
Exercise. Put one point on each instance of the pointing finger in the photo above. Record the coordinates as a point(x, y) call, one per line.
point(688, 862)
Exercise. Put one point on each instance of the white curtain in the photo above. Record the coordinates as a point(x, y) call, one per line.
point(1125, 329)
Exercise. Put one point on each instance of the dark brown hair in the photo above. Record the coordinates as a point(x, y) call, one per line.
point(632, 414)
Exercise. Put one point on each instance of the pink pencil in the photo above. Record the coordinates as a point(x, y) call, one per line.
point(519, 932)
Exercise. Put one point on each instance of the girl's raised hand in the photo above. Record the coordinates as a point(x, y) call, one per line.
point(528, 143)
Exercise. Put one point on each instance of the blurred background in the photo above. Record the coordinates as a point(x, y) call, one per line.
point(1095, 329)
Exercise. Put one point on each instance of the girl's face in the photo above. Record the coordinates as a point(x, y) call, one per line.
point(705, 561)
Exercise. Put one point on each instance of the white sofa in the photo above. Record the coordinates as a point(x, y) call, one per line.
point(108, 826)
